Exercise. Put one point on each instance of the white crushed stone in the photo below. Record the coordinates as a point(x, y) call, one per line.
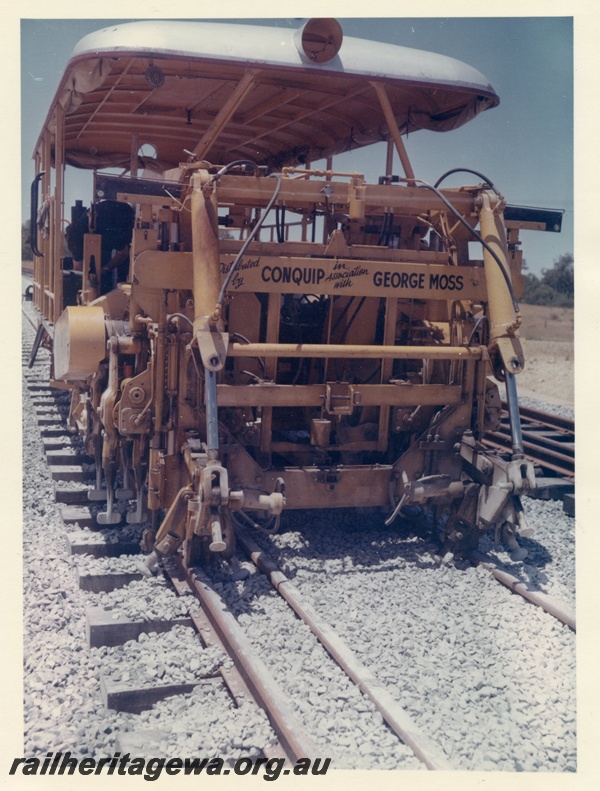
point(490, 677)
point(122, 564)
point(173, 657)
point(327, 702)
point(148, 599)
point(117, 534)
point(544, 406)
point(62, 706)
point(209, 725)
point(550, 563)
point(473, 664)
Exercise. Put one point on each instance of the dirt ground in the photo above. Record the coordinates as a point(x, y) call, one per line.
point(548, 344)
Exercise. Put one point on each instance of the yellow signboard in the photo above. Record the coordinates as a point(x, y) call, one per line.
point(299, 275)
point(362, 278)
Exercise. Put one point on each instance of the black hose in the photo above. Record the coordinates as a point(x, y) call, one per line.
point(383, 229)
point(477, 236)
point(351, 320)
point(280, 223)
point(181, 316)
point(466, 170)
point(234, 164)
point(390, 229)
point(251, 236)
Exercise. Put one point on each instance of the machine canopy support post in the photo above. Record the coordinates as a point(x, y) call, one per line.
point(227, 110)
point(394, 131)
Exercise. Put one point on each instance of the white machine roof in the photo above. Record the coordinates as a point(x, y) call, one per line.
point(166, 82)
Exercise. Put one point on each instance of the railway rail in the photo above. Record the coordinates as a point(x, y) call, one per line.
point(246, 679)
point(339, 350)
point(249, 680)
point(216, 625)
point(548, 441)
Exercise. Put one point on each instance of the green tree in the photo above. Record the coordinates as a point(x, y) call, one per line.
point(561, 277)
point(555, 287)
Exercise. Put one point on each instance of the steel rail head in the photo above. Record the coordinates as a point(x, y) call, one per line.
point(424, 748)
point(293, 737)
point(547, 603)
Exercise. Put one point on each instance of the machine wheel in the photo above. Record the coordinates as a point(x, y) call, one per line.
point(460, 532)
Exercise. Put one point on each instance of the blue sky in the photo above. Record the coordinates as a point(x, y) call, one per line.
point(525, 146)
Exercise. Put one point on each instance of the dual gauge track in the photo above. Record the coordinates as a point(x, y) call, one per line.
point(549, 442)
point(245, 678)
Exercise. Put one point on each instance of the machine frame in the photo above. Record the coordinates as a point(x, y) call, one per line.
point(248, 362)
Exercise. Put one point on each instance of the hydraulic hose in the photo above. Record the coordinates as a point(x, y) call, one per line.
point(445, 175)
point(477, 235)
point(219, 306)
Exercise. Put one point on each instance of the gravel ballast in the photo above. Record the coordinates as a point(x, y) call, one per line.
point(62, 706)
point(488, 676)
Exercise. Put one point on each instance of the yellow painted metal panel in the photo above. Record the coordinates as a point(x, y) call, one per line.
point(296, 275)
